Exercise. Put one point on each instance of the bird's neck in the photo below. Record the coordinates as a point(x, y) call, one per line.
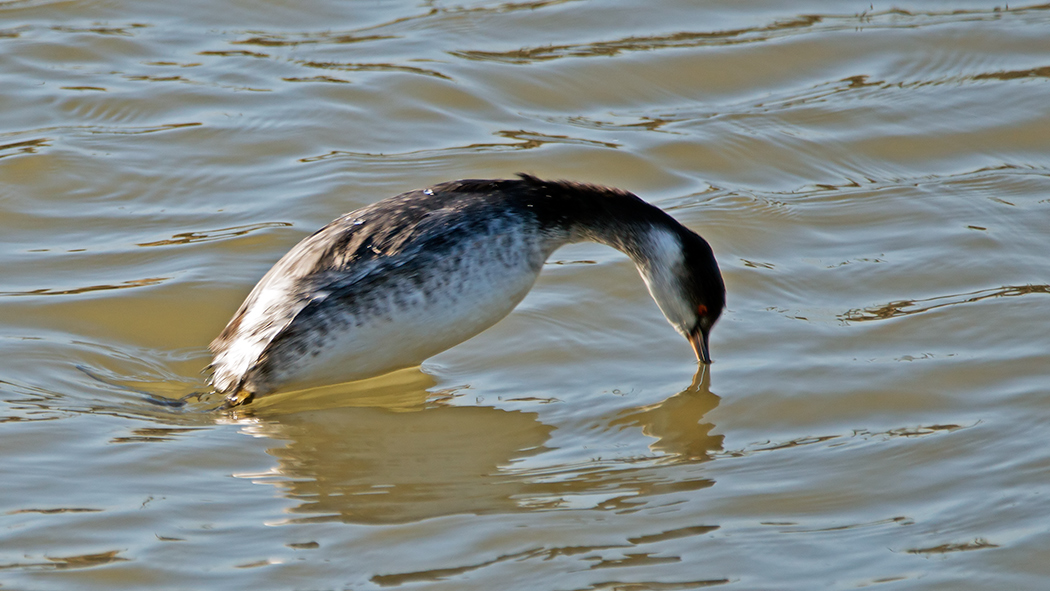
point(572, 212)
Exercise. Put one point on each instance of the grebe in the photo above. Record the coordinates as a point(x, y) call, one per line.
point(393, 283)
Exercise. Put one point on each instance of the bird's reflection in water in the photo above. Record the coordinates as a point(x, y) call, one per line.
point(675, 422)
point(403, 457)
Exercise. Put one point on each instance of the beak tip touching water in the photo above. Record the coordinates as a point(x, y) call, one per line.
point(698, 339)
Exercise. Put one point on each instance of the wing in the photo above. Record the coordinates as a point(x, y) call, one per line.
point(334, 260)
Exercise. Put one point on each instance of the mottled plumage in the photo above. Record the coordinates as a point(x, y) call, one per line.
point(390, 284)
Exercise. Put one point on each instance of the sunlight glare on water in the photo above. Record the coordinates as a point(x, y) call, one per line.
point(874, 180)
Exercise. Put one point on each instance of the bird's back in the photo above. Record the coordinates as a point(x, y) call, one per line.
point(384, 287)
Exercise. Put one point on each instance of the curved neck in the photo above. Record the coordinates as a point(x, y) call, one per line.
point(576, 212)
point(676, 264)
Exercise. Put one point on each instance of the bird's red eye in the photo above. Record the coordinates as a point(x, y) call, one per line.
point(701, 310)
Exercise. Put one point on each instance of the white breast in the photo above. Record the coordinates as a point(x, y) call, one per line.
point(469, 289)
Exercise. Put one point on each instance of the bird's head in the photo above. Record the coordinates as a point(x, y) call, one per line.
point(683, 278)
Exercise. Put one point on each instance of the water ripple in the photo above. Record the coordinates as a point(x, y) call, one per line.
point(976, 544)
point(131, 283)
point(524, 140)
point(212, 235)
point(635, 43)
point(918, 306)
point(371, 67)
point(24, 147)
point(893, 18)
point(80, 561)
point(294, 39)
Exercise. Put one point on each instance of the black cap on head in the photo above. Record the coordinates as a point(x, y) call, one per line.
point(704, 289)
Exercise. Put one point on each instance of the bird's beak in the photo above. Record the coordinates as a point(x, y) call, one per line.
point(698, 339)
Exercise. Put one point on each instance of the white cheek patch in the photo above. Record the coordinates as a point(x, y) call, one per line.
point(666, 248)
point(661, 276)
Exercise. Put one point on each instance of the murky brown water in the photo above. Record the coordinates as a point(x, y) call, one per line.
point(875, 182)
